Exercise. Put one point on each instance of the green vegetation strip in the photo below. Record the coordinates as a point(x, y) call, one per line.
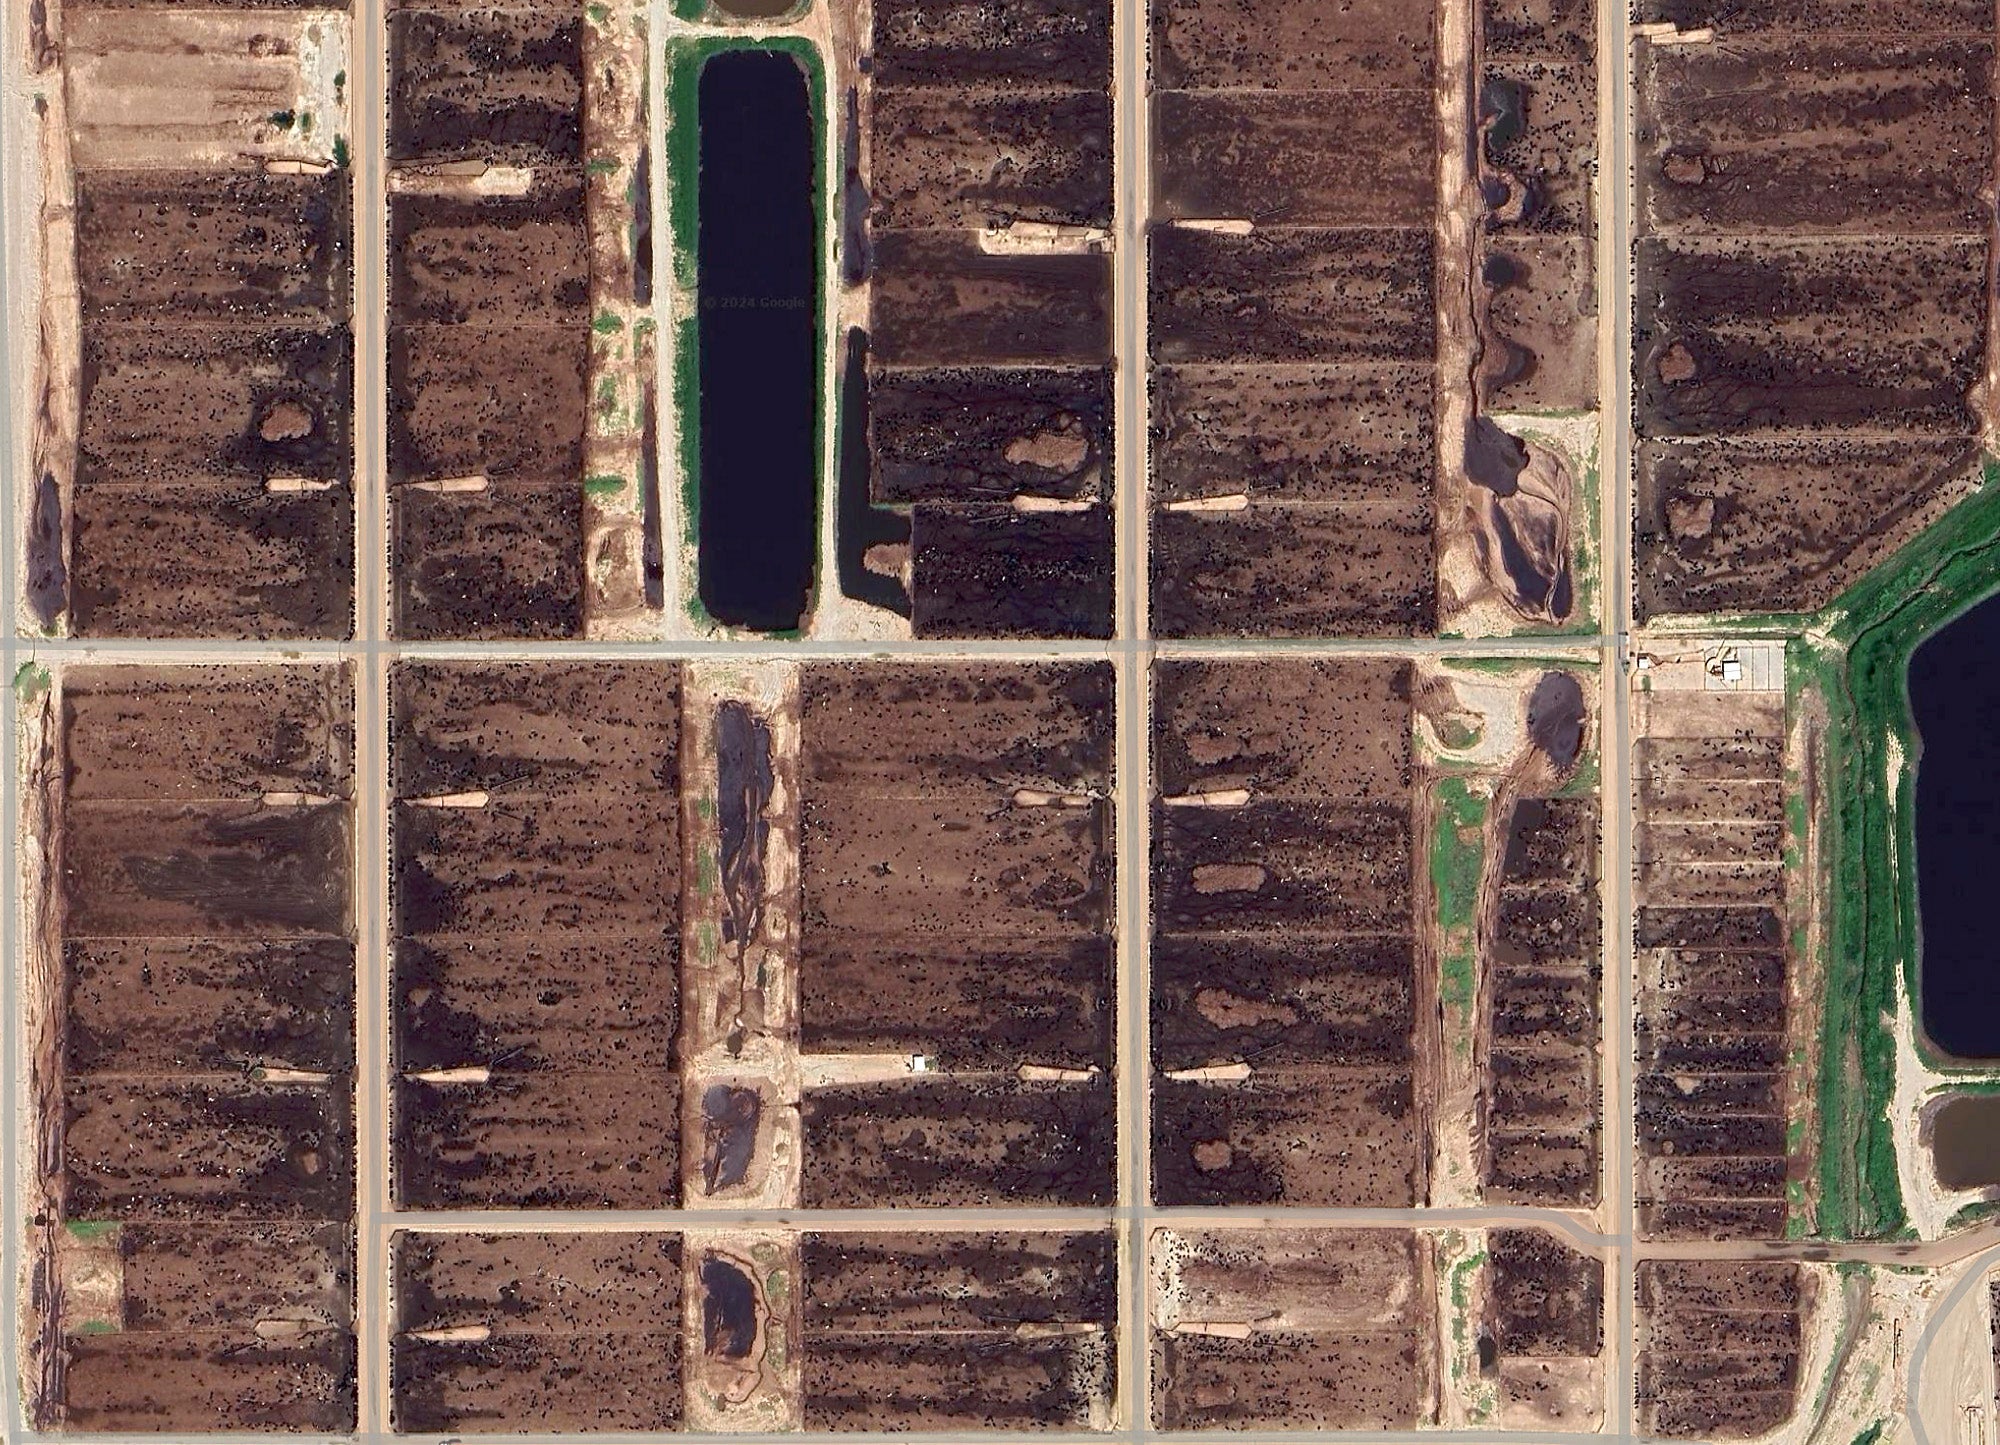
point(1458, 858)
point(1860, 660)
point(684, 59)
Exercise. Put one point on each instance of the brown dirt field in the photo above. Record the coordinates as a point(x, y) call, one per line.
point(952, 1282)
point(968, 157)
point(490, 86)
point(475, 400)
point(626, 1379)
point(1048, 42)
point(204, 1006)
point(206, 870)
point(208, 1149)
point(165, 846)
point(1286, 1380)
point(1751, 336)
point(1710, 1084)
point(958, 730)
point(938, 300)
point(987, 434)
point(1295, 158)
point(1365, 570)
point(1309, 730)
point(556, 1139)
point(228, 559)
point(1727, 1376)
point(1296, 1279)
point(206, 732)
point(537, 1284)
point(537, 935)
point(1310, 868)
point(1539, 29)
point(235, 1381)
point(158, 246)
point(1284, 1003)
point(953, 870)
point(546, 728)
point(1811, 17)
point(934, 1143)
point(507, 262)
point(986, 1005)
point(1305, 433)
point(190, 402)
point(1312, 1137)
point(1540, 329)
point(1727, 524)
point(190, 1277)
point(1554, 106)
point(587, 865)
point(995, 573)
point(503, 563)
point(595, 1005)
point(1543, 1298)
point(1860, 135)
point(985, 1381)
point(1293, 45)
point(1295, 294)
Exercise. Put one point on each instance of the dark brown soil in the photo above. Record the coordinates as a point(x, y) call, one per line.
point(585, 1332)
point(487, 401)
point(1282, 1004)
point(1712, 1036)
point(1320, 157)
point(939, 300)
point(1293, 45)
point(1877, 334)
point(1297, 866)
point(1308, 433)
point(1783, 525)
point(924, 1329)
point(172, 1005)
point(1364, 569)
point(548, 1139)
point(225, 559)
point(1719, 1347)
point(994, 572)
point(1297, 1380)
point(943, 1143)
point(507, 262)
point(493, 86)
point(190, 733)
point(986, 434)
point(1539, 29)
point(538, 934)
point(1046, 42)
point(1811, 17)
point(215, 355)
point(155, 246)
point(963, 157)
point(1864, 135)
point(1542, 1297)
point(1254, 910)
point(1320, 730)
point(988, 1007)
point(1315, 1136)
point(502, 563)
point(1291, 295)
point(142, 1381)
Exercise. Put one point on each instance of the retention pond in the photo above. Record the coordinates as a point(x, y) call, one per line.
point(1955, 698)
point(757, 277)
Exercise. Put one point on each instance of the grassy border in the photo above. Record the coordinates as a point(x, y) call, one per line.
point(684, 57)
point(1861, 663)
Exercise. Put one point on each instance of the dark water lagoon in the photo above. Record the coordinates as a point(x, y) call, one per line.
point(758, 280)
point(1955, 698)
